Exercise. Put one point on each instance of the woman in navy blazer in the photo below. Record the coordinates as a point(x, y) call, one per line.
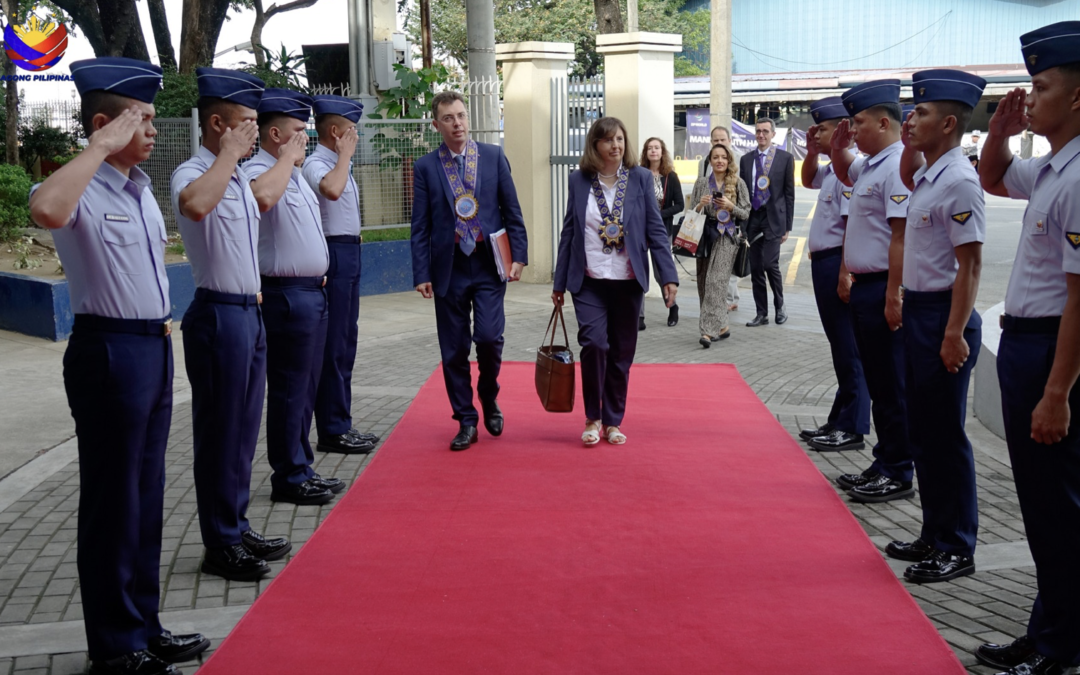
point(612, 221)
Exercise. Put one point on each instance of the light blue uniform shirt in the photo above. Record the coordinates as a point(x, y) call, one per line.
point(343, 216)
point(946, 210)
point(1050, 241)
point(291, 241)
point(113, 248)
point(222, 247)
point(827, 228)
point(877, 195)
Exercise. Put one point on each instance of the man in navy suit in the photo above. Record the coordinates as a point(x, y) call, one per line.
point(462, 194)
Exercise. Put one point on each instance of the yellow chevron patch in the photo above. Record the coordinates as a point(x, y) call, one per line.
point(847, 194)
point(962, 217)
point(899, 199)
point(1074, 239)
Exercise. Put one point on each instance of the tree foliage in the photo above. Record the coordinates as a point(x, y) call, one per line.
point(39, 140)
point(561, 21)
point(178, 95)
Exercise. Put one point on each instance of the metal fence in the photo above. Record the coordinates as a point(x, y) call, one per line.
point(575, 104)
point(59, 114)
point(382, 165)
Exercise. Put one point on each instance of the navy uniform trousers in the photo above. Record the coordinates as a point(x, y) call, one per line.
point(333, 402)
point(119, 388)
point(1048, 488)
point(607, 312)
point(937, 410)
point(851, 405)
point(295, 316)
point(882, 353)
point(474, 288)
point(225, 356)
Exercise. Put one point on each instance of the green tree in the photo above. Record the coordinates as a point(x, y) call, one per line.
point(178, 95)
point(39, 140)
point(562, 21)
point(14, 201)
point(282, 69)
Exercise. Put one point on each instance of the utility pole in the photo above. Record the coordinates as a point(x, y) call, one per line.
point(720, 64)
point(359, 49)
point(483, 80)
point(425, 32)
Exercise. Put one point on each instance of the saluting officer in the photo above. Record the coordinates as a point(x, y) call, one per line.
point(118, 367)
point(874, 236)
point(849, 417)
point(293, 261)
point(328, 172)
point(1039, 355)
point(224, 340)
point(946, 227)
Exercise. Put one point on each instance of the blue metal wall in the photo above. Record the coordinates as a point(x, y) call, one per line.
point(801, 35)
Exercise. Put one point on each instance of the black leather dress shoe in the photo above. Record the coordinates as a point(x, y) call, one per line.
point(940, 566)
point(262, 548)
point(823, 430)
point(673, 315)
point(1006, 656)
point(759, 320)
point(177, 648)
point(493, 418)
point(234, 563)
point(135, 663)
point(466, 436)
point(641, 323)
point(837, 441)
point(334, 485)
point(849, 481)
point(914, 551)
point(371, 438)
point(881, 489)
point(345, 444)
point(304, 494)
point(781, 318)
point(1037, 664)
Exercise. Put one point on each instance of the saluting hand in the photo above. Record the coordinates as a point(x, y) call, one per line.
point(238, 141)
point(812, 147)
point(115, 136)
point(842, 136)
point(295, 150)
point(1010, 118)
point(345, 145)
point(905, 129)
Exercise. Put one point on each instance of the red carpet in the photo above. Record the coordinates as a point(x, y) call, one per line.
point(708, 544)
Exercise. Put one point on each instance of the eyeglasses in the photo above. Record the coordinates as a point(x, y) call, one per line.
point(449, 119)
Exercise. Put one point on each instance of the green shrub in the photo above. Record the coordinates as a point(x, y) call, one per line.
point(386, 234)
point(178, 95)
point(14, 201)
point(39, 140)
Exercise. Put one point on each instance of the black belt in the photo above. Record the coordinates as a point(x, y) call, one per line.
point(1039, 324)
point(826, 253)
point(928, 297)
point(284, 282)
point(871, 277)
point(343, 239)
point(107, 324)
point(206, 295)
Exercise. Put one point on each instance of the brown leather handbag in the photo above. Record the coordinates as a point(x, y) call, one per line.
point(555, 368)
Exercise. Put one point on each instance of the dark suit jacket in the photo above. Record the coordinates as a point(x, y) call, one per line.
point(433, 218)
point(781, 205)
point(673, 201)
point(641, 221)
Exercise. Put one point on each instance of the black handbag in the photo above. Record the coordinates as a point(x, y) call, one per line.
point(741, 268)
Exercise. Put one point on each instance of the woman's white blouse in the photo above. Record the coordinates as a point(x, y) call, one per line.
point(600, 265)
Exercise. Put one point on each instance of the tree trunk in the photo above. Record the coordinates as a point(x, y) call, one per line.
point(11, 134)
point(608, 16)
point(123, 30)
point(85, 15)
point(199, 32)
point(256, 34)
point(159, 22)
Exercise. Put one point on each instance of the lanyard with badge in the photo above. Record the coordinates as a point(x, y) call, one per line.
point(611, 230)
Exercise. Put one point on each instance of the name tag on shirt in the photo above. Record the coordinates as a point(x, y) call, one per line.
point(291, 189)
point(229, 195)
point(117, 218)
point(1040, 227)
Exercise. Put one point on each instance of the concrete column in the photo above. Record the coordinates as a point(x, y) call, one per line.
point(528, 69)
point(639, 89)
point(720, 64)
point(383, 19)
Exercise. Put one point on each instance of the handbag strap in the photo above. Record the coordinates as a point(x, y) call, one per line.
point(553, 324)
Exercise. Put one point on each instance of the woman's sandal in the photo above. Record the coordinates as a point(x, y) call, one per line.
point(614, 436)
point(591, 435)
point(705, 341)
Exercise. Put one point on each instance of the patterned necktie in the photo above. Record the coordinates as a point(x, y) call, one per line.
point(467, 243)
point(757, 200)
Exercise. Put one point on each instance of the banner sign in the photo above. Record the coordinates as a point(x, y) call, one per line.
point(697, 133)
